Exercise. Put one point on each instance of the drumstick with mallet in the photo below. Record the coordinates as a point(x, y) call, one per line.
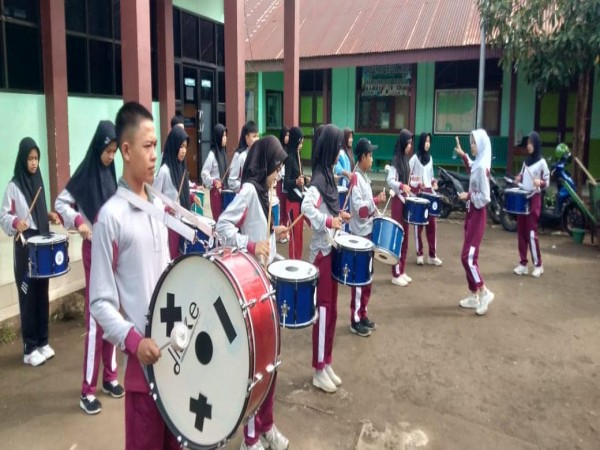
point(180, 186)
point(19, 235)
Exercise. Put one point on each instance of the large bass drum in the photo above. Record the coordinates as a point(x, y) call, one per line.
point(224, 304)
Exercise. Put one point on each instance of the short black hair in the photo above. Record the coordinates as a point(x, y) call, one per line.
point(129, 117)
point(177, 119)
point(251, 127)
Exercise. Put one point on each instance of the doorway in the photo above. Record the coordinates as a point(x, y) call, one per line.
point(555, 119)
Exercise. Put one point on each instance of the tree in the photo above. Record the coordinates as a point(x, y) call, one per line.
point(554, 43)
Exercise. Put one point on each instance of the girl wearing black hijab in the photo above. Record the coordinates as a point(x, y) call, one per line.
point(92, 184)
point(214, 169)
point(321, 206)
point(15, 217)
point(293, 184)
point(398, 179)
point(534, 177)
point(422, 180)
point(284, 139)
point(173, 178)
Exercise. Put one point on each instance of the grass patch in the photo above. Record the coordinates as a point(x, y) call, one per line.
point(7, 333)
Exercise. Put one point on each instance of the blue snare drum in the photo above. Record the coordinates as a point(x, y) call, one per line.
point(434, 202)
point(416, 211)
point(195, 208)
point(343, 193)
point(352, 261)
point(204, 241)
point(48, 255)
point(227, 197)
point(387, 236)
point(516, 201)
point(295, 284)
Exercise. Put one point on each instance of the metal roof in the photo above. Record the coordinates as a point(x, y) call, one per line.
point(340, 28)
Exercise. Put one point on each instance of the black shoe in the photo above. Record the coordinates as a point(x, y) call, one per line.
point(113, 388)
point(360, 329)
point(90, 404)
point(368, 323)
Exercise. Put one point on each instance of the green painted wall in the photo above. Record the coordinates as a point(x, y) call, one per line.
point(343, 96)
point(505, 107)
point(22, 115)
point(594, 162)
point(425, 97)
point(211, 9)
point(267, 81)
point(525, 108)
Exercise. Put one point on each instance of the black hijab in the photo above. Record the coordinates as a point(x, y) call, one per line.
point(400, 160)
point(284, 130)
point(177, 136)
point(93, 183)
point(218, 149)
point(29, 183)
point(296, 137)
point(267, 155)
point(316, 135)
point(326, 151)
point(348, 148)
point(537, 149)
point(423, 155)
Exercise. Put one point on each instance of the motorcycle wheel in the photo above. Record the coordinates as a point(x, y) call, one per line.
point(446, 203)
point(508, 221)
point(495, 209)
point(573, 217)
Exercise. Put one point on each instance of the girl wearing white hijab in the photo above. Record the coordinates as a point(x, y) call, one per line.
point(477, 198)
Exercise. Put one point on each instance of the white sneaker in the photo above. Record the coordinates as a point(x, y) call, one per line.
point(46, 351)
point(257, 446)
point(470, 301)
point(521, 270)
point(34, 359)
point(322, 381)
point(484, 301)
point(399, 281)
point(332, 375)
point(419, 260)
point(435, 261)
point(407, 278)
point(274, 440)
point(537, 271)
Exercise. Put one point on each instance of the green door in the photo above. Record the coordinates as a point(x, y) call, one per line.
point(311, 116)
point(555, 117)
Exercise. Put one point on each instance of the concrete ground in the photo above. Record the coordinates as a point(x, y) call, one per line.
point(432, 376)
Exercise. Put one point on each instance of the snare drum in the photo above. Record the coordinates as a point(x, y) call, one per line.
point(274, 208)
point(48, 255)
point(352, 261)
point(416, 210)
point(227, 197)
point(205, 391)
point(387, 236)
point(195, 208)
point(342, 193)
point(204, 241)
point(434, 202)
point(516, 201)
point(295, 284)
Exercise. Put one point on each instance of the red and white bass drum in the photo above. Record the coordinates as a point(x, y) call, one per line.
point(215, 319)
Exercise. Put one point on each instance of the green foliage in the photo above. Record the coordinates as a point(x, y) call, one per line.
point(7, 333)
point(551, 42)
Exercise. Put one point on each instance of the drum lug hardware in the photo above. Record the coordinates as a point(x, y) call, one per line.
point(346, 271)
point(257, 379)
point(245, 306)
point(267, 296)
point(272, 367)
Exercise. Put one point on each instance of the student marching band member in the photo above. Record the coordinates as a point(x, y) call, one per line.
point(477, 198)
point(398, 178)
point(284, 139)
point(244, 225)
point(293, 184)
point(361, 224)
point(534, 177)
point(345, 164)
point(422, 180)
point(92, 184)
point(214, 169)
point(130, 254)
point(248, 136)
point(321, 206)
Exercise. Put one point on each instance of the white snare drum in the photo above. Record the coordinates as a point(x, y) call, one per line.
point(222, 376)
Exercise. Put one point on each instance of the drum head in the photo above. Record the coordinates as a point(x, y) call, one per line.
point(354, 242)
point(517, 191)
point(293, 270)
point(423, 201)
point(200, 391)
point(53, 238)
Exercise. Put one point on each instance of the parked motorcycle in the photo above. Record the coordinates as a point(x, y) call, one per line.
point(451, 183)
point(558, 210)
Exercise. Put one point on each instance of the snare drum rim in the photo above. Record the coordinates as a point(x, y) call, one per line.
point(388, 219)
point(356, 250)
point(51, 239)
point(33, 247)
point(278, 278)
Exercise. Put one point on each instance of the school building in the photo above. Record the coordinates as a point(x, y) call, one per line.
point(375, 67)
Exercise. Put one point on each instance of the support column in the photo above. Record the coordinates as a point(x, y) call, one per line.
point(135, 52)
point(166, 65)
point(291, 63)
point(235, 75)
point(54, 51)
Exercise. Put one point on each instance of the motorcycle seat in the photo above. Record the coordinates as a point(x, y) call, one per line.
point(459, 176)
